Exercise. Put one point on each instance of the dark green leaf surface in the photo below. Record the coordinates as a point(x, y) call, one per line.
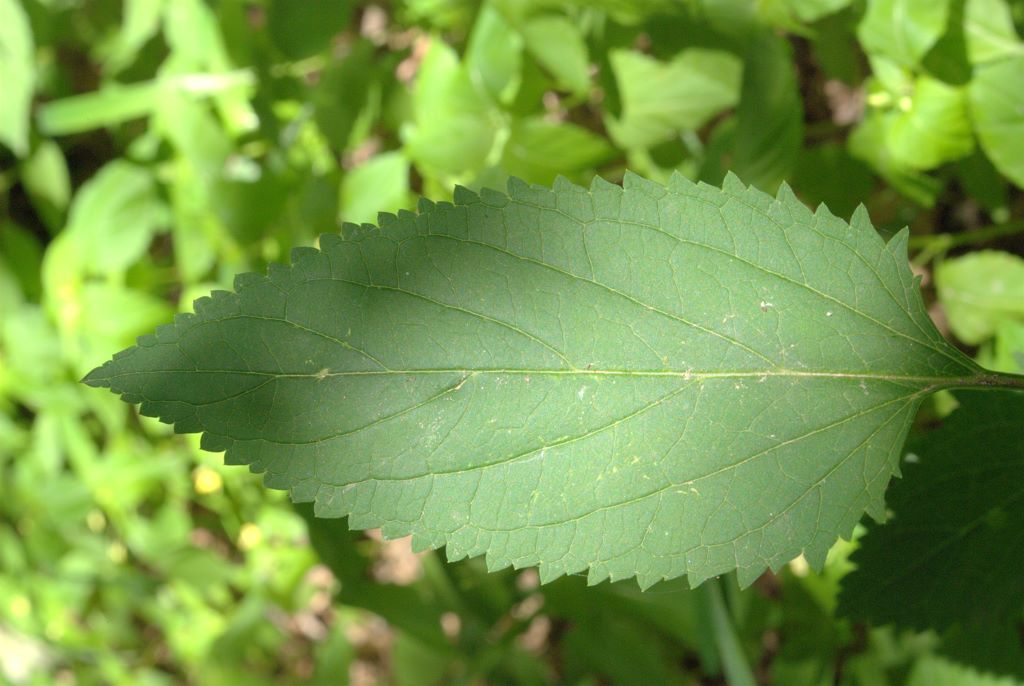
point(644, 381)
point(953, 551)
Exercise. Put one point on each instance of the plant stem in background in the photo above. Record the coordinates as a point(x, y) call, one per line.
point(734, 662)
point(938, 243)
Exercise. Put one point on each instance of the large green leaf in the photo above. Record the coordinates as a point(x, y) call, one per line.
point(648, 380)
point(951, 556)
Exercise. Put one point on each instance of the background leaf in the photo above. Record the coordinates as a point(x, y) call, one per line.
point(661, 100)
point(990, 32)
point(17, 75)
point(903, 30)
point(557, 45)
point(769, 130)
point(935, 129)
point(980, 290)
point(453, 125)
point(954, 516)
point(996, 95)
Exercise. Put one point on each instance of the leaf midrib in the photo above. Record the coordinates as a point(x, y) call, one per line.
point(926, 381)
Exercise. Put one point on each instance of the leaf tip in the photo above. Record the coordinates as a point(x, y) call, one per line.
point(733, 183)
point(599, 183)
point(680, 184)
point(563, 185)
point(329, 241)
point(785, 193)
point(645, 581)
point(747, 575)
point(240, 282)
point(516, 186)
point(898, 244)
point(98, 378)
point(860, 219)
point(464, 196)
point(630, 177)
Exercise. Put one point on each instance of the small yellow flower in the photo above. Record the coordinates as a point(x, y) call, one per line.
point(206, 480)
point(117, 552)
point(249, 536)
point(21, 607)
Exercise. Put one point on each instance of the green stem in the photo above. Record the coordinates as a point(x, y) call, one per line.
point(938, 242)
point(994, 380)
point(734, 661)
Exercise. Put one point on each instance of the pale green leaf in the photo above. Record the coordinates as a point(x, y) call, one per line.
point(17, 75)
point(660, 100)
point(140, 22)
point(202, 149)
point(1009, 346)
point(47, 179)
point(869, 143)
point(980, 290)
point(111, 104)
point(932, 670)
point(379, 185)
point(896, 79)
point(990, 33)
point(813, 10)
point(903, 30)
point(539, 150)
point(645, 381)
point(114, 217)
point(494, 55)
point(557, 45)
point(997, 107)
point(115, 103)
point(453, 125)
point(199, 53)
point(934, 129)
point(114, 315)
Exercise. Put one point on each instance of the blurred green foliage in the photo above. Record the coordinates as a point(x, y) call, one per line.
point(151, 149)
